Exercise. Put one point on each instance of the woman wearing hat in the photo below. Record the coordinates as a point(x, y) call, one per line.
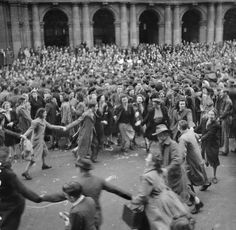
point(12, 194)
point(157, 115)
point(159, 202)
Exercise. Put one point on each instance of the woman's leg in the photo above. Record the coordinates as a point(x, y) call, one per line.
point(214, 180)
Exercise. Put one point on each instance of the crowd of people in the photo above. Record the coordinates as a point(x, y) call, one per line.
point(181, 98)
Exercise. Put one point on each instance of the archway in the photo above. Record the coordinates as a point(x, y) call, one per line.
point(148, 27)
point(56, 31)
point(191, 26)
point(103, 27)
point(230, 25)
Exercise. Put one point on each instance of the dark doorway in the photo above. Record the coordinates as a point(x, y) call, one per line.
point(191, 26)
point(103, 27)
point(56, 31)
point(148, 27)
point(230, 25)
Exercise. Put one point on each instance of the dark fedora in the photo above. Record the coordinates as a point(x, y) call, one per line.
point(84, 164)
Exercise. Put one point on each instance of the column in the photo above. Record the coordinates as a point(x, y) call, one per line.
point(117, 33)
point(133, 26)
point(71, 40)
point(26, 27)
point(15, 28)
point(161, 33)
point(211, 23)
point(124, 26)
point(86, 25)
point(202, 31)
point(219, 23)
point(177, 27)
point(42, 33)
point(36, 27)
point(168, 30)
point(3, 40)
point(76, 25)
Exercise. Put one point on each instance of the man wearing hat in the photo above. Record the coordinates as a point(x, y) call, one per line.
point(92, 186)
point(12, 194)
point(172, 161)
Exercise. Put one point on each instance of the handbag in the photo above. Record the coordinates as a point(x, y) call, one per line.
point(27, 149)
point(134, 218)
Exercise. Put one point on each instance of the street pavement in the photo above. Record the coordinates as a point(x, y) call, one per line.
point(218, 213)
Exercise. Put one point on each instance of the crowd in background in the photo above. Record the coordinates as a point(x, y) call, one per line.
point(96, 98)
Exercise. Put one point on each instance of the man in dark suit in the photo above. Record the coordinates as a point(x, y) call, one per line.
point(92, 186)
point(82, 213)
point(36, 102)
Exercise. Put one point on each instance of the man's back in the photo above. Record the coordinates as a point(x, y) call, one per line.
point(82, 215)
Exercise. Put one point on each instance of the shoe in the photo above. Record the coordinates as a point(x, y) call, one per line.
point(214, 180)
point(95, 160)
point(205, 187)
point(197, 208)
point(26, 176)
point(44, 167)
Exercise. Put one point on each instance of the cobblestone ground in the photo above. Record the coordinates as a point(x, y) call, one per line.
point(219, 210)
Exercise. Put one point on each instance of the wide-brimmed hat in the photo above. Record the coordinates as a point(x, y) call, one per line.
point(160, 129)
point(84, 164)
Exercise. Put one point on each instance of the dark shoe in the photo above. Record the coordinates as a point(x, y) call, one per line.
point(205, 187)
point(44, 167)
point(26, 176)
point(197, 208)
point(94, 160)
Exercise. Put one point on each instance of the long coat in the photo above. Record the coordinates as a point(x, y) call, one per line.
point(172, 160)
point(10, 140)
point(92, 186)
point(160, 203)
point(12, 198)
point(86, 133)
point(24, 118)
point(210, 141)
point(37, 129)
point(190, 148)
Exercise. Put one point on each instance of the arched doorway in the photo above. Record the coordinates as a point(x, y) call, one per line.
point(103, 27)
point(148, 27)
point(230, 25)
point(56, 31)
point(191, 26)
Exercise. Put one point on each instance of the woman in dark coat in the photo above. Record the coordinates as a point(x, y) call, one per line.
point(210, 130)
point(156, 116)
point(11, 123)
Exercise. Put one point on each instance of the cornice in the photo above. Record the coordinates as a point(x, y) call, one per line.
point(171, 2)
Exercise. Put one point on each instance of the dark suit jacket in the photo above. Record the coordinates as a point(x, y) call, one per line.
point(35, 105)
point(12, 198)
point(82, 215)
point(92, 186)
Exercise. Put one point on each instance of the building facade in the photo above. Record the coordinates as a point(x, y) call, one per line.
point(35, 23)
